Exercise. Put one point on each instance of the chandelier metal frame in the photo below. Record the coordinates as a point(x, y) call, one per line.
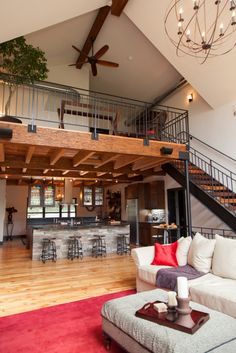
point(207, 31)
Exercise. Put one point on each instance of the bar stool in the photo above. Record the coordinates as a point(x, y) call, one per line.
point(102, 245)
point(126, 240)
point(123, 244)
point(49, 249)
point(75, 248)
point(98, 245)
point(120, 244)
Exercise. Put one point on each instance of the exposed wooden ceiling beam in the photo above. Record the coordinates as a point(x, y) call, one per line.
point(2, 153)
point(144, 162)
point(29, 154)
point(82, 172)
point(80, 157)
point(118, 6)
point(65, 172)
point(97, 25)
point(101, 173)
point(122, 161)
point(153, 165)
point(106, 159)
point(56, 156)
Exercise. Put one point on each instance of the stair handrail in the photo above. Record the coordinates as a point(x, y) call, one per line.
point(211, 161)
point(211, 147)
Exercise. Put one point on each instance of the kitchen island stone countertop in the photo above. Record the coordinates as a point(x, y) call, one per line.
point(63, 232)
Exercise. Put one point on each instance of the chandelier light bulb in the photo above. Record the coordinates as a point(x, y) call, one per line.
point(232, 5)
point(221, 29)
point(195, 5)
point(180, 15)
point(188, 35)
point(208, 20)
point(233, 21)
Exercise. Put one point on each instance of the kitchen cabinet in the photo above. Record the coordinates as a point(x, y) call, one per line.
point(131, 191)
point(92, 196)
point(146, 231)
point(155, 195)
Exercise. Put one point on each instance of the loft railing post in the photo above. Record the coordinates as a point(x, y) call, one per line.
point(32, 125)
point(146, 141)
point(187, 197)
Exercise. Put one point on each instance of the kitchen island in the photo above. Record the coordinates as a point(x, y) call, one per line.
point(61, 233)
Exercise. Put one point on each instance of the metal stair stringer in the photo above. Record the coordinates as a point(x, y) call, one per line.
point(220, 211)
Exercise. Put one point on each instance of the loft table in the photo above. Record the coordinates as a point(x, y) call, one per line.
point(167, 232)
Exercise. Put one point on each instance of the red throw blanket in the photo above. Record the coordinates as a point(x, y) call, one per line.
point(167, 277)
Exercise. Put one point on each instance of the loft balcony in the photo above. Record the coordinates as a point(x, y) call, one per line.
point(60, 130)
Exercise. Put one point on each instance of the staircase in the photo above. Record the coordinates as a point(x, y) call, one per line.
point(211, 183)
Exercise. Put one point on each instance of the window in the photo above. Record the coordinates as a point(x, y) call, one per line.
point(55, 211)
point(35, 195)
point(93, 196)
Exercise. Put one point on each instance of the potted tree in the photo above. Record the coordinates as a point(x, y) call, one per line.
point(22, 63)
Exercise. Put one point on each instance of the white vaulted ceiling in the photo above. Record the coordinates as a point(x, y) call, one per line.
point(148, 62)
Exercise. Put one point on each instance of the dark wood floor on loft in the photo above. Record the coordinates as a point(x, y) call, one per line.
point(27, 285)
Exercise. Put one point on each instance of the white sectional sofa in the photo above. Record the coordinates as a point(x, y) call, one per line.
point(217, 258)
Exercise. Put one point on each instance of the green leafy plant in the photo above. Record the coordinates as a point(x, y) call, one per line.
point(23, 63)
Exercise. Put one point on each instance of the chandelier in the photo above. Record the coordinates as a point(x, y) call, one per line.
point(202, 28)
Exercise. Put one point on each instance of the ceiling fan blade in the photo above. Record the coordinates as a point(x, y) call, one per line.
point(102, 51)
point(107, 63)
point(94, 69)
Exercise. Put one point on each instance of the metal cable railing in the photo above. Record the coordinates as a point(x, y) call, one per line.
point(58, 106)
point(216, 180)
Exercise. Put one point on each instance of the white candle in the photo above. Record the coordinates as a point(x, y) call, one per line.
point(172, 301)
point(182, 286)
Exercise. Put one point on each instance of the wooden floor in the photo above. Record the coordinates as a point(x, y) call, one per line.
point(27, 285)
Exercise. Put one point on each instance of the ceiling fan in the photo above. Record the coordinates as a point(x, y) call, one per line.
point(94, 59)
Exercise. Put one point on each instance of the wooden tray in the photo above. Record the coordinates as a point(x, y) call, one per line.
point(149, 313)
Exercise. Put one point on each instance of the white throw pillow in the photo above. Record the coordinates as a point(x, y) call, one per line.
point(201, 252)
point(224, 258)
point(182, 250)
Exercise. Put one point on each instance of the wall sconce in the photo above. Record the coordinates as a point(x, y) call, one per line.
point(190, 97)
point(166, 150)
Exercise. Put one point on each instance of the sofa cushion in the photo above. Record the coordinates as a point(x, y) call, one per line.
point(165, 254)
point(215, 292)
point(201, 252)
point(182, 250)
point(147, 273)
point(224, 258)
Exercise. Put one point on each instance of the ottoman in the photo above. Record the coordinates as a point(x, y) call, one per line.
point(136, 335)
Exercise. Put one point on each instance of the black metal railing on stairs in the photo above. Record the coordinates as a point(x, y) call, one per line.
point(58, 106)
point(212, 177)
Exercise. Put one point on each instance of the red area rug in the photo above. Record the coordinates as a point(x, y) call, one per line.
point(65, 328)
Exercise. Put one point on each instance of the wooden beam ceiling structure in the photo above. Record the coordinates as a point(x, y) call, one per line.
point(62, 154)
point(116, 9)
point(118, 6)
point(95, 29)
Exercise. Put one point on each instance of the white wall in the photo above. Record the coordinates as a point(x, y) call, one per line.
point(214, 126)
point(67, 75)
point(17, 196)
point(201, 215)
point(2, 207)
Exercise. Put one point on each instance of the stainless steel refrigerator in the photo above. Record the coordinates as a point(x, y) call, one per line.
point(133, 219)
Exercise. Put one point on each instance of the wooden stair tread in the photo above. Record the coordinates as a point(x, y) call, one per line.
point(227, 200)
point(215, 187)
